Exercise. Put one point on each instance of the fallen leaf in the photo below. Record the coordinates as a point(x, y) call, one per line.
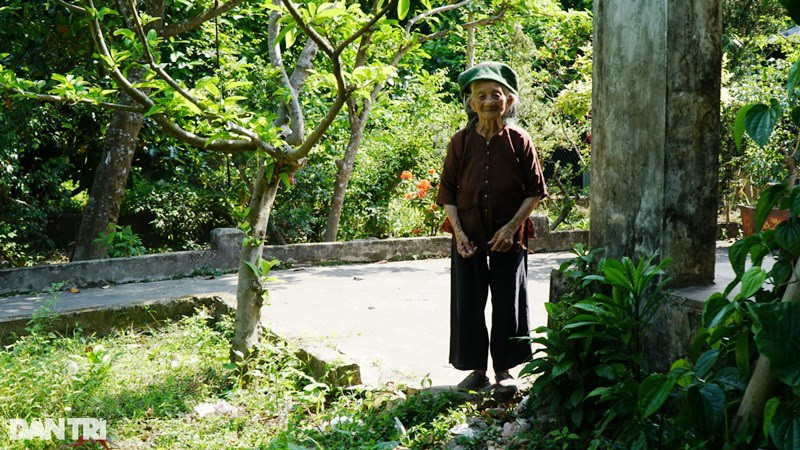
point(74, 290)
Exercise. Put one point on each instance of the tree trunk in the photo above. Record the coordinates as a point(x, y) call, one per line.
point(108, 187)
point(249, 289)
point(111, 176)
point(344, 173)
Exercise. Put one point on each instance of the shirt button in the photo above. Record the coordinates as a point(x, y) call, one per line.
point(486, 181)
point(485, 195)
point(487, 167)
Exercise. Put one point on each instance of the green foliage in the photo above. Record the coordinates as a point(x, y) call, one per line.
point(181, 215)
point(411, 132)
point(262, 270)
point(592, 360)
point(756, 323)
point(152, 379)
point(121, 242)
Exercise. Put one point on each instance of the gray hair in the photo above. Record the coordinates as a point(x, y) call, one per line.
point(510, 114)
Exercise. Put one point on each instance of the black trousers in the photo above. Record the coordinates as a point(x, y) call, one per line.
point(506, 275)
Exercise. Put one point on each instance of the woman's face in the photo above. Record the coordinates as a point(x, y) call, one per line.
point(489, 100)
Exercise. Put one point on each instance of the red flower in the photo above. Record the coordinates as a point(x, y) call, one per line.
point(416, 231)
point(406, 175)
point(424, 185)
point(432, 171)
point(422, 194)
point(409, 195)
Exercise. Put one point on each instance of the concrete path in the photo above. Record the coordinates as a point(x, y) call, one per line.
point(391, 318)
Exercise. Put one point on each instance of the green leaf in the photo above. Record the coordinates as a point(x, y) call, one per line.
point(765, 203)
point(284, 30)
point(729, 379)
point(777, 335)
point(561, 368)
point(781, 271)
point(125, 32)
point(792, 9)
point(785, 429)
point(743, 353)
point(794, 196)
point(152, 36)
point(708, 405)
point(752, 280)
point(794, 75)
point(770, 408)
point(290, 37)
point(402, 8)
point(759, 121)
point(285, 178)
point(705, 362)
point(738, 124)
point(653, 392)
point(231, 85)
point(270, 169)
point(737, 254)
point(712, 308)
point(331, 11)
point(253, 268)
point(601, 391)
point(155, 109)
point(787, 235)
point(795, 115)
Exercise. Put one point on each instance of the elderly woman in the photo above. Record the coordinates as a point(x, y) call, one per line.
point(490, 183)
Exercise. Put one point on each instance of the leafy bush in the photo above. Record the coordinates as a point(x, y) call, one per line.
point(121, 242)
point(181, 215)
point(593, 373)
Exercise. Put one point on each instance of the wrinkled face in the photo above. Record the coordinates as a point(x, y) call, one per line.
point(489, 100)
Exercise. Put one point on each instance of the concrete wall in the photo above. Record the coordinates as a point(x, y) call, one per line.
point(655, 131)
point(224, 257)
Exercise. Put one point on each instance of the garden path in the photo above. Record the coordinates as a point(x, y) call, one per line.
point(391, 317)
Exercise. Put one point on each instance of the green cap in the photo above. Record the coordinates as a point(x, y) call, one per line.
point(490, 71)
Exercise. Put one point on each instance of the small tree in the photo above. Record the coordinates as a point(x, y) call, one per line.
point(207, 117)
point(359, 107)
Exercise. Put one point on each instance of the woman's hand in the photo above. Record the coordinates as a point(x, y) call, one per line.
point(464, 246)
point(503, 240)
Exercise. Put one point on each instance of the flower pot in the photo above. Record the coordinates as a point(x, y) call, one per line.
point(748, 214)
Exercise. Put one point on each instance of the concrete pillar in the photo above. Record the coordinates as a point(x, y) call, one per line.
point(655, 131)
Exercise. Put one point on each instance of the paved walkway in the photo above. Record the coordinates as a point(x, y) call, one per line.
point(391, 318)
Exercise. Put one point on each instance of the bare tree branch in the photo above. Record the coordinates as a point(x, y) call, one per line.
point(323, 43)
point(476, 23)
point(196, 21)
point(299, 75)
point(59, 99)
point(304, 63)
point(169, 127)
point(433, 11)
point(137, 20)
point(297, 123)
point(71, 7)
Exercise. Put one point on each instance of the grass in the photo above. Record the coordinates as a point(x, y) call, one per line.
point(146, 383)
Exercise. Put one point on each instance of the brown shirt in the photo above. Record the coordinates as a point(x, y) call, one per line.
point(488, 181)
